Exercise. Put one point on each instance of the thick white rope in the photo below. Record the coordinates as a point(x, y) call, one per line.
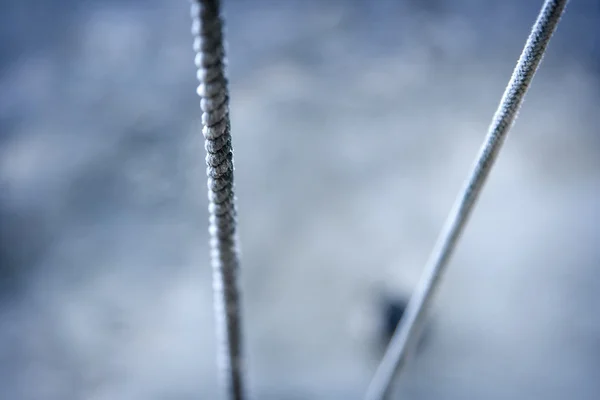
point(207, 28)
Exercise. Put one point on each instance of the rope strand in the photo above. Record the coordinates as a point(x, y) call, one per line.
point(207, 28)
point(406, 334)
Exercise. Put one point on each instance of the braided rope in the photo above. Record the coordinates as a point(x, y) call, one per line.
point(207, 28)
point(407, 332)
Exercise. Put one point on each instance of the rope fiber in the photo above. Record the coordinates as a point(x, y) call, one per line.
point(207, 29)
point(406, 334)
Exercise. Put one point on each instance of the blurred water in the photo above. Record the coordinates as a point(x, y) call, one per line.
point(354, 125)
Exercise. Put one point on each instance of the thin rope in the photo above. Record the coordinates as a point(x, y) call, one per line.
point(207, 28)
point(405, 336)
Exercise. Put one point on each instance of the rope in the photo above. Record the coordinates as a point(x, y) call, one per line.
point(406, 334)
point(207, 28)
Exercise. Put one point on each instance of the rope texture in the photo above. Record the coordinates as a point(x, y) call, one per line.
point(407, 332)
point(207, 29)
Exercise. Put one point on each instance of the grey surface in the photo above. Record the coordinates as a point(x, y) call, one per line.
point(354, 126)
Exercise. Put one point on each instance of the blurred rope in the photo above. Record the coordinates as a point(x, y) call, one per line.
point(409, 328)
point(207, 28)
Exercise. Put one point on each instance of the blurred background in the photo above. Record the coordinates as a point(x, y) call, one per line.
point(354, 124)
